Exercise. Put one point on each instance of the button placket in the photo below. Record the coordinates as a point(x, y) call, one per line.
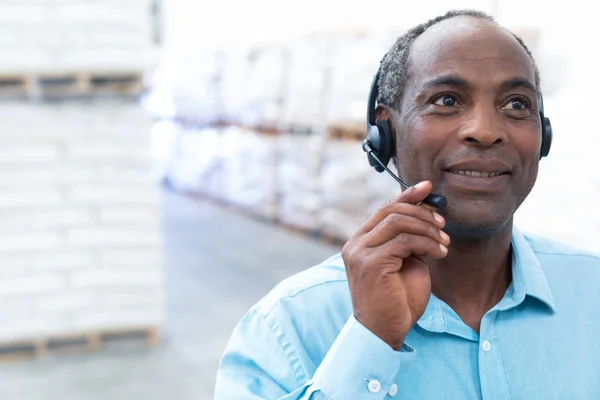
point(486, 346)
point(491, 374)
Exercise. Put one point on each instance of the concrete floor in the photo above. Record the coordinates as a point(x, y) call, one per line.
point(217, 265)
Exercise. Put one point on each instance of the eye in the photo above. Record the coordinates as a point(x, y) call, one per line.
point(517, 104)
point(446, 100)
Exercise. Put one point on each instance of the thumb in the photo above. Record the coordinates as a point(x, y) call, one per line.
point(415, 194)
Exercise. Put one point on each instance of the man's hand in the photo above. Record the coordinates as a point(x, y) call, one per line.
point(389, 280)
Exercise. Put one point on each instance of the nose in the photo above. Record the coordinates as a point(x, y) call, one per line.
point(482, 128)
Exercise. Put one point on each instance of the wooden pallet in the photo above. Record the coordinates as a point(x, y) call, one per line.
point(347, 131)
point(316, 234)
point(235, 208)
point(263, 130)
point(87, 342)
point(332, 240)
point(298, 129)
point(303, 231)
point(70, 84)
point(13, 85)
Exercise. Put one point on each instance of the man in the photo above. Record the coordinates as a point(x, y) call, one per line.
point(456, 304)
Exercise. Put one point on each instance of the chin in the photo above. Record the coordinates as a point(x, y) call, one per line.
point(477, 223)
point(475, 232)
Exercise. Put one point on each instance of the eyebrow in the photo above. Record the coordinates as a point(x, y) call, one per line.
point(446, 80)
point(519, 82)
point(455, 80)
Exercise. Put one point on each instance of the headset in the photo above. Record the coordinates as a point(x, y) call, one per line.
point(379, 144)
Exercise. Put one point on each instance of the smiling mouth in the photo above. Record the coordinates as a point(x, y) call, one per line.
point(477, 174)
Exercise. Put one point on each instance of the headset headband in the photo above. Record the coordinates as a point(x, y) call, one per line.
point(373, 98)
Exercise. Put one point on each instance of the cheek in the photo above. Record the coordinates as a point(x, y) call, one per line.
point(525, 134)
point(408, 148)
point(530, 173)
point(526, 141)
point(528, 144)
point(417, 145)
point(522, 190)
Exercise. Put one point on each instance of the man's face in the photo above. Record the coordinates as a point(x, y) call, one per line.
point(469, 122)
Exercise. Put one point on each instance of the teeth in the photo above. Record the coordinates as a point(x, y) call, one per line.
point(477, 173)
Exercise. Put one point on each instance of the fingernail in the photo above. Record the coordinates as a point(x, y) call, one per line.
point(443, 248)
point(444, 235)
point(438, 217)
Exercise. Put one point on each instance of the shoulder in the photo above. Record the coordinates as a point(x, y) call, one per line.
point(555, 250)
point(286, 334)
point(565, 264)
point(572, 274)
point(311, 287)
point(306, 312)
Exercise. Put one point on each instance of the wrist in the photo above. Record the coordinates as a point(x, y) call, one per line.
point(393, 339)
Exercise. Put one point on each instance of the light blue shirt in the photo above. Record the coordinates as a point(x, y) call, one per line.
point(541, 341)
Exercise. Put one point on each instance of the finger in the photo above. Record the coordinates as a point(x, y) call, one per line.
point(401, 248)
point(416, 193)
point(406, 245)
point(399, 223)
point(420, 212)
point(428, 207)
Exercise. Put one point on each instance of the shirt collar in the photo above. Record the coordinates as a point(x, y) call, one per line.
point(528, 276)
point(528, 279)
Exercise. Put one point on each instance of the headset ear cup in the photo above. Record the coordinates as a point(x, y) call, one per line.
point(374, 140)
point(386, 148)
point(546, 137)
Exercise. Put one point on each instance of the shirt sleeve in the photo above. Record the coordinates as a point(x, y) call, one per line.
point(256, 365)
point(360, 365)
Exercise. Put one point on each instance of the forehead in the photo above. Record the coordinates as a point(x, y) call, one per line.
point(478, 50)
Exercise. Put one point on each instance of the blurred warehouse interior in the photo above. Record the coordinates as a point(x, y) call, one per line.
point(141, 139)
point(273, 120)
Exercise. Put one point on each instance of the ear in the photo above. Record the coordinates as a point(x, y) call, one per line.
point(383, 112)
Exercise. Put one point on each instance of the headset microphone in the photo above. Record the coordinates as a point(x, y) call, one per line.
point(434, 200)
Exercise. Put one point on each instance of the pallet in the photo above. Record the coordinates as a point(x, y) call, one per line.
point(202, 196)
point(347, 131)
point(301, 129)
point(235, 208)
point(316, 234)
point(13, 85)
point(70, 84)
point(302, 231)
point(263, 130)
point(332, 240)
point(81, 343)
point(191, 124)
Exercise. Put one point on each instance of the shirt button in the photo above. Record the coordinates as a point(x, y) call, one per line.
point(486, 346)
point(393, 390)
point(374, 386)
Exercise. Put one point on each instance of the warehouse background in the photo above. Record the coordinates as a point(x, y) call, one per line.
point(165, 163)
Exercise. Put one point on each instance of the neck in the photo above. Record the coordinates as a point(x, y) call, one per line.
point(474, 276)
